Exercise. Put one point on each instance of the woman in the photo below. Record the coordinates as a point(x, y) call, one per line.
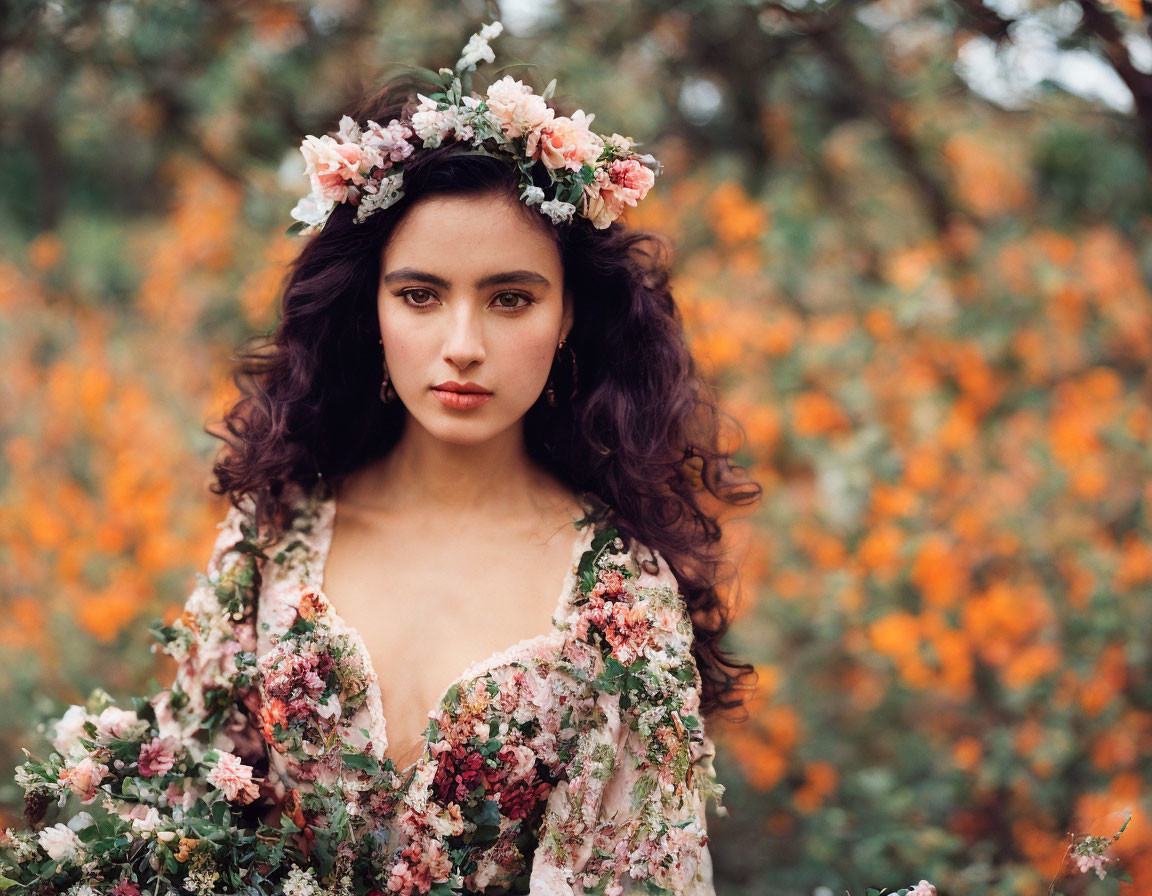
point(478, 395)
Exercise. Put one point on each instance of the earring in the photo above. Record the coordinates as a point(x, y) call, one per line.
point(549, 388)
point(387, 393)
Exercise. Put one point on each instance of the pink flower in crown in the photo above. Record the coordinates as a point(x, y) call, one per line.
point(234, 779)
point(623, 183)
point(565, 142)
point(157, 757)
point(333, 167)
point(387, 145)
point(517, 108)
point(84, 778)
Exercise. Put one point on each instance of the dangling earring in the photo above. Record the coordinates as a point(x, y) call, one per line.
point(549, 388)
point(387, 393)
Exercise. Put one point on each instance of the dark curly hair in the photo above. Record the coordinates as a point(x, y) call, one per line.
point(642, 431)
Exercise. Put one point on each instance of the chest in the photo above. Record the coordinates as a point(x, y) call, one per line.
point(428, 608)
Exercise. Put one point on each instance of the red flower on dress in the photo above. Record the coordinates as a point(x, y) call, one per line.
point(459, 771)
point(519, 800)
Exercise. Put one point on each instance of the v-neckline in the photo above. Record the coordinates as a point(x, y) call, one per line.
point(314, 575)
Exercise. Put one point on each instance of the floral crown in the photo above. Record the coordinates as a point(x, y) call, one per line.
point(591, 174)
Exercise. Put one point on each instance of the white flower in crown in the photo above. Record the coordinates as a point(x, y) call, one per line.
point(312, 211)
point(477, 48)
point(433, 124)
point(532, 195)
point(558, 211)
point(387, 193)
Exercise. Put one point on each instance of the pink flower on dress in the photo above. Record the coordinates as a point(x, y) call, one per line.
point(231, 776)
point(84, 778)
point(183, 794)
point(119, 724)
point(565, 142)
point(517, 108)
point(611, 582)
point(626, 628)
point(422, 863)
point(157, 757)
point(292, 675)
point(922, 889)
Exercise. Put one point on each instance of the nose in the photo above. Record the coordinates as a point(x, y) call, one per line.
point(464, 343)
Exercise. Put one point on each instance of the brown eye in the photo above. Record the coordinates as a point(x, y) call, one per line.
point(513, 296)
point(407, 295)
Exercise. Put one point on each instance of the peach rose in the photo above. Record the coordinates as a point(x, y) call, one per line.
point(332, 167)
point(518, 109)
point(565, 142)
point(84, 778)
point(623, 183)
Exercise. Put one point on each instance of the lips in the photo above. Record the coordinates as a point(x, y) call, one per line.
point(461, 401)
point(462, 388)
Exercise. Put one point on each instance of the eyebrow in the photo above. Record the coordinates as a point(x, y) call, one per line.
point(520, 276)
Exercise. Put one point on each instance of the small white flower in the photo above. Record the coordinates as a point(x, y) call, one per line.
point(558, 211)
point(69, 729)
point(301, 883)
point(387, 193)
point(532, 195)
point(349, 131)
point(477, 48)
point(313, 210)
point(61, 843)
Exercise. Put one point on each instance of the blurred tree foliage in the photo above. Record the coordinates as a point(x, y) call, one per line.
point(914, 241)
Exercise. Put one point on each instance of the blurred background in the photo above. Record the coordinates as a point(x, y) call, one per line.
point(913, 245)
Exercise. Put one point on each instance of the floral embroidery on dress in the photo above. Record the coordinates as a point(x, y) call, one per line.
point(570, 763)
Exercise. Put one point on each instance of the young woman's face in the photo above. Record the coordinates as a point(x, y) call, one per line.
point(470, 293)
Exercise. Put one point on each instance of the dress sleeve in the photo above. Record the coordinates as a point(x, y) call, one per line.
point(212, 703)
point(628, 813)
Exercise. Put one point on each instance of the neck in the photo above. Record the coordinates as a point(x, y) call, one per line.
point(424, 475)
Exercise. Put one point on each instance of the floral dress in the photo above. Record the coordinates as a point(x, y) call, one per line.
point(573, 762)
